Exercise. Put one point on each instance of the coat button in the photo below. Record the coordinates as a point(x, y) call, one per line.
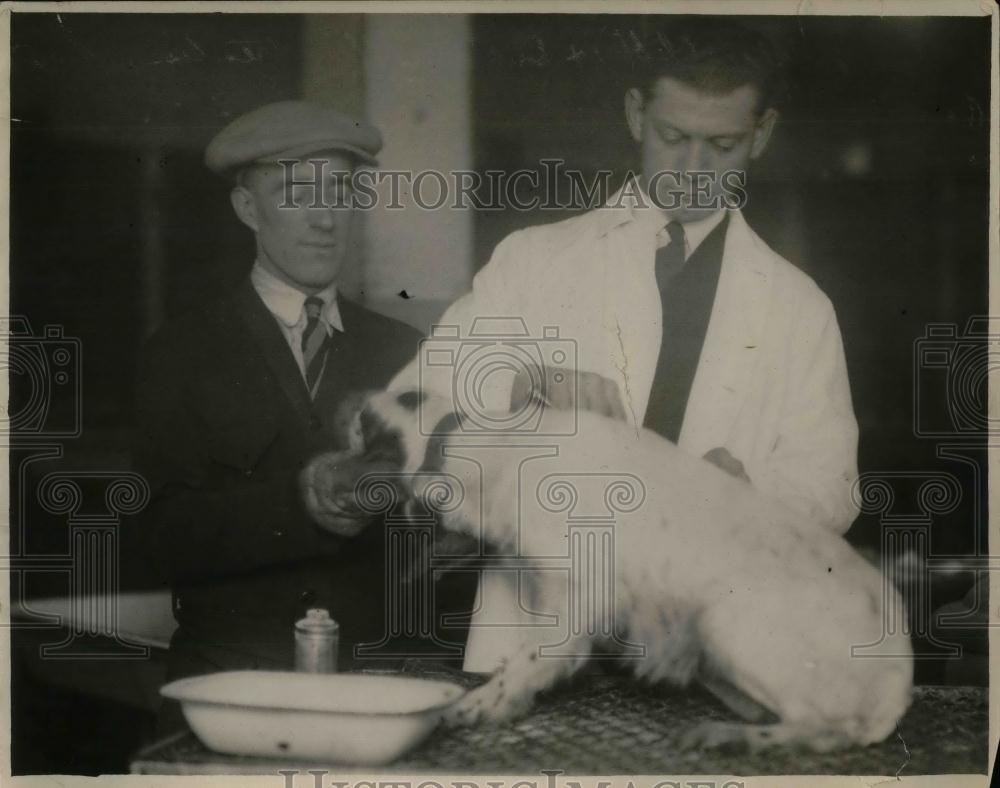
point(308, 596)
point(315, 423)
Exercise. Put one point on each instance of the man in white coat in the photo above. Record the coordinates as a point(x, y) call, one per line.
point(684, 320)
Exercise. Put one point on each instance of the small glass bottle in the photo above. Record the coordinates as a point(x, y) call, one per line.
point(316, 639)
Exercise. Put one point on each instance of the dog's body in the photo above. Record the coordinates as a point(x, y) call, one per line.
point(714, 580)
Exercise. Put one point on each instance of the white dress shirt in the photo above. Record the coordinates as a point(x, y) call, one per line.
point(287, 304)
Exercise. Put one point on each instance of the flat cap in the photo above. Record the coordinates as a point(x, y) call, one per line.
point(290, 130)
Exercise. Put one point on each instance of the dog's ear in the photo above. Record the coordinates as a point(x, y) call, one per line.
point(347, 420)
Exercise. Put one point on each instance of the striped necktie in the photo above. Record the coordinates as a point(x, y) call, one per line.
point(315, 341)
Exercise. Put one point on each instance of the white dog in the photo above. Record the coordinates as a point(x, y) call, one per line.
point(718, 582)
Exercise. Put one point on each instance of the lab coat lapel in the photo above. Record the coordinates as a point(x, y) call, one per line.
point(632, 314)
point(732, 343)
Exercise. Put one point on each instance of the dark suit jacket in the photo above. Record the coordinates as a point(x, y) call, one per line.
point(224, 426)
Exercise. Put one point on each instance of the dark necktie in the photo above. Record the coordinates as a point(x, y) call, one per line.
point(661, 413)
point(315, 340)
point(687, 293)
point(670, 258)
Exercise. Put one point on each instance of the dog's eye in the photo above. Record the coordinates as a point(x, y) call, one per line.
point(411, 400)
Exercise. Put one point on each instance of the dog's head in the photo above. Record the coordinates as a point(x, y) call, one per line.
point(393, 426)
point(390, 442)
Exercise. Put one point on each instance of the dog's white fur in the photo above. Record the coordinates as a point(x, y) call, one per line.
point(720, 583)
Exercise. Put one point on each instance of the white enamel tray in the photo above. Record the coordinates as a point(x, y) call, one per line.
point(341, 717)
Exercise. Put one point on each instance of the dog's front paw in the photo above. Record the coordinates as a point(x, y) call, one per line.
point(466, 711)
point(493, 702)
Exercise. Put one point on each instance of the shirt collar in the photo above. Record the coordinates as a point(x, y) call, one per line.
point(697, 231)
point(629, 204)
point(285, 302)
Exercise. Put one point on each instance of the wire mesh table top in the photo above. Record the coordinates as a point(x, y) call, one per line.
point(613, 725)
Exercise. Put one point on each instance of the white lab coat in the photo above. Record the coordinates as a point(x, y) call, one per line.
point(771, 385)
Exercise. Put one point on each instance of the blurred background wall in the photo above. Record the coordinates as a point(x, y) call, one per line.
point(876, 184)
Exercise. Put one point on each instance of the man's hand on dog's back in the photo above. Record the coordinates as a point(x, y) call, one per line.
point(565, 389)
point(721, 458)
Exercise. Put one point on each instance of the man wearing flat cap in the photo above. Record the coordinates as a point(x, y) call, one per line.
point(235, 399)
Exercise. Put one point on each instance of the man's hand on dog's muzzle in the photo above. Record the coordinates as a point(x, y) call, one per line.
point(328, 485)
